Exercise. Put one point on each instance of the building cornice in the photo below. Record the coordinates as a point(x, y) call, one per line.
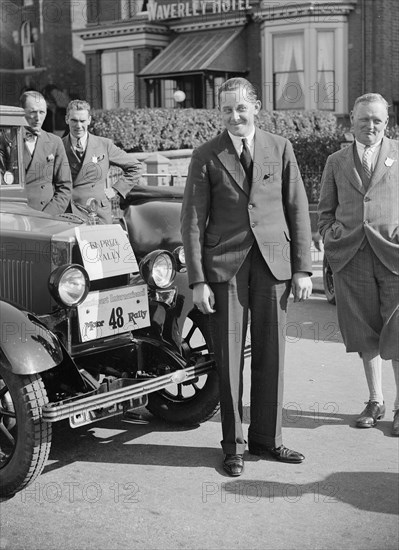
point(322, 10)
point(113, 30)
point(209, 22)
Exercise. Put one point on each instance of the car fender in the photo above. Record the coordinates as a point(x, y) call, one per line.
point(26, 343)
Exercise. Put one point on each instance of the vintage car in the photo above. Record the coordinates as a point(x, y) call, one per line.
point(95, 320)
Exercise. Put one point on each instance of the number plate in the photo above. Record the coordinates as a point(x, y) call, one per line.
point(110, 312)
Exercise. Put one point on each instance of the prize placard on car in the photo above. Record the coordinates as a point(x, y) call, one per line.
point(110, 312)
point(106, 251)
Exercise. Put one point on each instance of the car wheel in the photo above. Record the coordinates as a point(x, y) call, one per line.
point(328, 281)
point(197, 400)
point(25, 439)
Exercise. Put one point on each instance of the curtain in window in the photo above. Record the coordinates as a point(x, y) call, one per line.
point(288, 71)
point(325, 93)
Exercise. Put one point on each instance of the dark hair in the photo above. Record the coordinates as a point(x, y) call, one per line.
point(78, 105)
point(31, 93)
point(239, 82)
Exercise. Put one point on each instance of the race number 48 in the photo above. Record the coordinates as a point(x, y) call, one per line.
point(116, 318)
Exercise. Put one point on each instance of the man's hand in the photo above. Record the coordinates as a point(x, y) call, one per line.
point(301, 285)
point(203, 298)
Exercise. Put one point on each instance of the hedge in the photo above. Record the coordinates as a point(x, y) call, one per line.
point(313, 134)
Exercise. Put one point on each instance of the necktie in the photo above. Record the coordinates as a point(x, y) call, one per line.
point(79, 149)
point(366, 161)
point(246, 160)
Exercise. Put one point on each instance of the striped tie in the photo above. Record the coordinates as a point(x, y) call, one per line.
point(366, 161)
point(79, 149)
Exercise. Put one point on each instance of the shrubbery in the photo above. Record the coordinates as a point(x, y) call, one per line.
point(314, 134)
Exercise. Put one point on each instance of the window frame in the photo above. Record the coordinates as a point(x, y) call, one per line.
point(28, 47)
point(310, 28)
point(117, 74)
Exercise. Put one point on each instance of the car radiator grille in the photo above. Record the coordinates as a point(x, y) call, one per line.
point(16, 282)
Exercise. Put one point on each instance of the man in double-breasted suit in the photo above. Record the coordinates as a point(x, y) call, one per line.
point(358, 220)
point(47, 175)
point(90, 157)
point(246, 235)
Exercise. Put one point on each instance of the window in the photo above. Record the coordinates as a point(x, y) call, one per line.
point(305, 65)
point(324, 92)
point(28, 46)
point(168, 88)
point(288, 71)
point(117, 69)
point(131, 8)
point(28, 3)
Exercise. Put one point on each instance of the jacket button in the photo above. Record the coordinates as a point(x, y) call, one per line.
point(365, 222)
point(253, 224)
point(42, 187)
point(367, 199)
point(250, 206)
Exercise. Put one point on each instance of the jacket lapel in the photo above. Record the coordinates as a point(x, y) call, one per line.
point(349, 167)
point(228, 157)
point(380, 168)
point(263, 163)
point(74, 162)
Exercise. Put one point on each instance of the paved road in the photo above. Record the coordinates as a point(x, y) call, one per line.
point(119, 485)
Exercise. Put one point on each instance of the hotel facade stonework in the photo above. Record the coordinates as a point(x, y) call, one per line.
point(137, 53)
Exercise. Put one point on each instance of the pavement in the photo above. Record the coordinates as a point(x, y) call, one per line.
point(116, 485)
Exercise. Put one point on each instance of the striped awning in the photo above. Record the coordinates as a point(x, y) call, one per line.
point(220, 50)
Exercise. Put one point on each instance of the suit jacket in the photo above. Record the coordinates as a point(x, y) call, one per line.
point(90, 176)
point(222, 217)
point(48, 177)
point(349, 213)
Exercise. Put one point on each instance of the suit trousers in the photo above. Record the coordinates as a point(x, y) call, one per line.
point(253, 292)
point(367, 295)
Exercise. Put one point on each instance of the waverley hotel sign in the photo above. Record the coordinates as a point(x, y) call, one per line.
point(174, 10)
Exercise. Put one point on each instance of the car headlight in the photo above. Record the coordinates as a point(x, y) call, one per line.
point(180, 259)
point(69, 285)
point(158, 269)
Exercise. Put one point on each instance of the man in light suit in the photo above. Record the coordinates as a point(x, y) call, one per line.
point(48, 177)
point(246, 235)
point(358, 220)
point(90, 157)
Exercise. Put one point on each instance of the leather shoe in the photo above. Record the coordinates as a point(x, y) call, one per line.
point(282, 454)
point(373, 412)
point(233, 464)
point(395, 424)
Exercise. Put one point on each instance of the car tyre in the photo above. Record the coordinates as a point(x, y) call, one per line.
point(25, 439)
point(193, 402)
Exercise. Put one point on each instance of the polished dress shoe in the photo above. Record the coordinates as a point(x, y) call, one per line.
point(233, 465)
point(282, 454)
point(373, 412)
point(395, 424)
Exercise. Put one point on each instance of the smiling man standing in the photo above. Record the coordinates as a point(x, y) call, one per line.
point(358, 220)
point(246, 235)
point(90, 157)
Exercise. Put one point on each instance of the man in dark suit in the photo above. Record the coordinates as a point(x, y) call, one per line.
point(48, 178)
point(90, 158)
point(358, 220)
point(246, 235)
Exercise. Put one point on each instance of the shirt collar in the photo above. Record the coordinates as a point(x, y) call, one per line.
point(83, 140)
point(237, 140)
point(361, 147)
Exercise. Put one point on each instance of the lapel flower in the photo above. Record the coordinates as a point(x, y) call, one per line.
point(50, 157)
point(389, 161)
point(96, 159)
